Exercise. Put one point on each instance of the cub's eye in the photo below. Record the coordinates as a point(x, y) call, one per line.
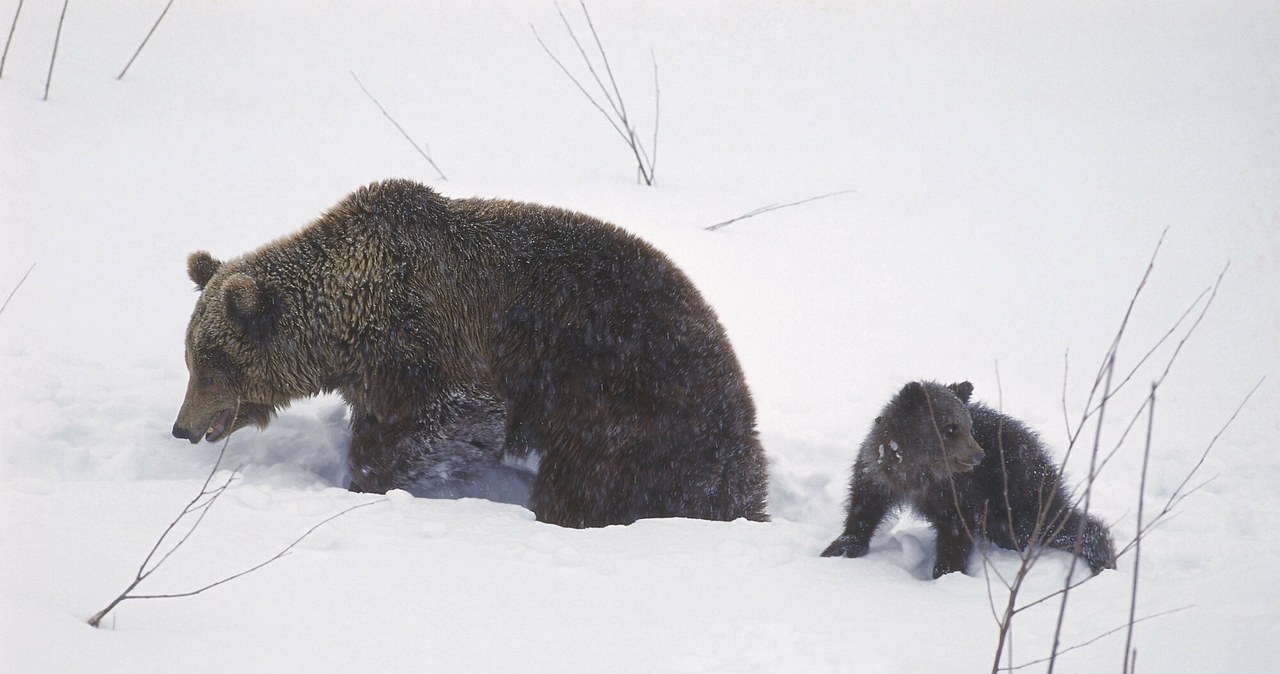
point(952, 429)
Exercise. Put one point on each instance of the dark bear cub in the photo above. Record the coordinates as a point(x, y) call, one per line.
point(931, 437)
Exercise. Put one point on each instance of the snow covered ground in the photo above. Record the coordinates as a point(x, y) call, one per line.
point(1014, 165)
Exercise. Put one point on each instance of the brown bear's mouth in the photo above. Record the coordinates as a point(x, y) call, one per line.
point(220, 425)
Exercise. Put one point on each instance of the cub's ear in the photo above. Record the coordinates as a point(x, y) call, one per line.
point(247, 305)
point(201, 267)
point(962, 390)
point(912, 395)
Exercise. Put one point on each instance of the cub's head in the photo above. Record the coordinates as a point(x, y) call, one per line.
point(230, 385)
point(926, 430)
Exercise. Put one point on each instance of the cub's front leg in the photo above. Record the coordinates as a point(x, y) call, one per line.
point(868, 505)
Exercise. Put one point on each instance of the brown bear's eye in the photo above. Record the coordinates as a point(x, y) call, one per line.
point(952, 429)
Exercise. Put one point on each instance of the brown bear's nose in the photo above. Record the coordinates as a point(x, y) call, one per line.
point(184, 434)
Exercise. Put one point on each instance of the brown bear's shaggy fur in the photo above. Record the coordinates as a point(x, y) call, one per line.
point(440, 320)
point(952, 460)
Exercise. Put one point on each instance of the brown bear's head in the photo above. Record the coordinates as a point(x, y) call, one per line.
point(231, 384)
point(931, 425)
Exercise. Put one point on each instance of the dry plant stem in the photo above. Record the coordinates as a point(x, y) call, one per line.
point(1145, 524)
point(616, 115)
point(1097, 441)
point(1147, 527)
point(53, 57)
point(287, 549)
point(145, 39)
point(1072, 436)
point(9, 41)
point(398, 127)
point(773, 207)
point(1137, 548)
point(1179, 494)
point(1212, 293)
point(1097, 638)
point(192, 506)
point(15, 288)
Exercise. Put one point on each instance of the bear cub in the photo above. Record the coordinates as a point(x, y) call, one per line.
point(930, 437)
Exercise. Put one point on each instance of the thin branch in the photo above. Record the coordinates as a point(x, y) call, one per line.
point(143, 571)
point(578, 84)
point(287, 549)
point(1097, 638)
point(616, 114)
point(1178, 494)
point(773, 207)
point(144, 40)
point(1097, 440)
point(15, 288)
point(616, 103)
point(657, 109)
point(1115, 343)
point(9, 41)
point(398, 127)
point(53, 57)
point(202, 502)
point(1137, 549)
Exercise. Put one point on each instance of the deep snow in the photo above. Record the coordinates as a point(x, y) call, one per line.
point(1014, 166)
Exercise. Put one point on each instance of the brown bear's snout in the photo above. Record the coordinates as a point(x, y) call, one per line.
point(184, 434)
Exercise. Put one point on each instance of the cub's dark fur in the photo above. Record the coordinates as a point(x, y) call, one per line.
point(931, 437)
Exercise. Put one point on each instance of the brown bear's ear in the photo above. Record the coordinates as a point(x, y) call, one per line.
point(962, 390)
point(246, 305)
point(201, 267)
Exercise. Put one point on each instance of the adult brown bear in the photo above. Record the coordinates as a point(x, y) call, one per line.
point(503, 327)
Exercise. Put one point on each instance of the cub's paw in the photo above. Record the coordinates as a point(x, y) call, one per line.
point(845, 546)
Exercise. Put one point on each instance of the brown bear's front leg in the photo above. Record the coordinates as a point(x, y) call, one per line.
point(376, 459)
point(450, 450)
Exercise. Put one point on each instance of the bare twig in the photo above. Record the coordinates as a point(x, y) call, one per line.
point(201, 504)
point(53, 57)
point(1181, 492)
point(646, 158)
point(15, 288)
point(1137, 540)
point(1095, 639)
point(1115, 344)
point(145, 39)
point(286, 550)
point(773, 207)
point(9, 41)
point(1088, 491)
point(1107, 384)
point(398, 127)
point(193, 505)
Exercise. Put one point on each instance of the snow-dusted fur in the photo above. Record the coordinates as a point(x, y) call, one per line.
point(441, 320)
point(950, 459)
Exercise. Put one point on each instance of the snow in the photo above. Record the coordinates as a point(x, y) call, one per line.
point(1012, 168)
